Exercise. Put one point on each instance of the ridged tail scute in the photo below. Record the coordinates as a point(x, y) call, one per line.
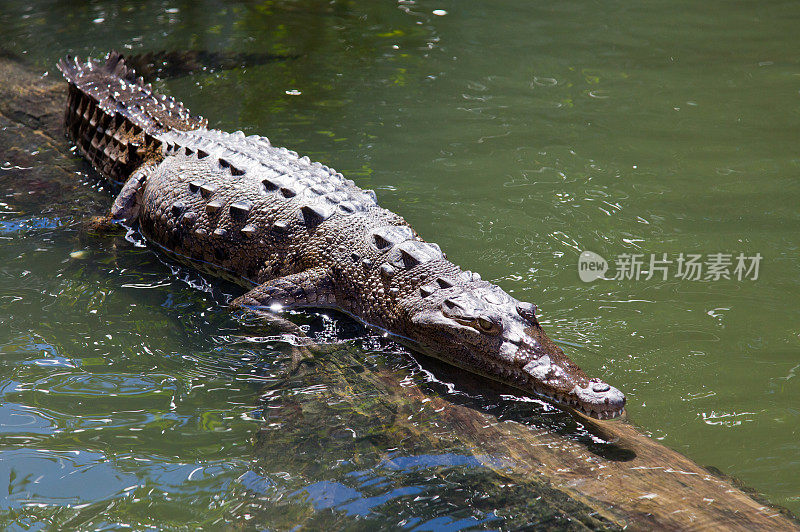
point(116, 119)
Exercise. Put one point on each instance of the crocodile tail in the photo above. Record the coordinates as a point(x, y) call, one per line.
point(116, 119)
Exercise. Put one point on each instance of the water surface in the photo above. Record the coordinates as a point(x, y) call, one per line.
point(516, 135)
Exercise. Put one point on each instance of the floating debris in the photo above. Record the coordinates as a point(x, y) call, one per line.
point(79, 254)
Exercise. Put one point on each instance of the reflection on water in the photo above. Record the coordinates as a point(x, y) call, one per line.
point(73, 478)
point(372, 489)
point(514, 134)
point(18, 226)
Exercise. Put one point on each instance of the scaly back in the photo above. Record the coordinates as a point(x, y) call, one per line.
point(115, 118)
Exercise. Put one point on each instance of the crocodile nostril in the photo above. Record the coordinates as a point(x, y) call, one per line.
point(600, 387)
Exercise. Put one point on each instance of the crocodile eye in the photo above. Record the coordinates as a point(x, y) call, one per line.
point(488, 326)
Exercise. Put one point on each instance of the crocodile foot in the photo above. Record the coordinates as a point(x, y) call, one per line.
point(101, 225)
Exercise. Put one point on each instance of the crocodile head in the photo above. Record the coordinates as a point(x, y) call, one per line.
point(484, 330)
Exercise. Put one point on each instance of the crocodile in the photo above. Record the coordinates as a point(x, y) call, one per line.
point(297, 234)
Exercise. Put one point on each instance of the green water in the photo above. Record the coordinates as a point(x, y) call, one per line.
point(516, 135)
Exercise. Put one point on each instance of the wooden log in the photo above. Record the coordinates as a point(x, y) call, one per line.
point(611, 474)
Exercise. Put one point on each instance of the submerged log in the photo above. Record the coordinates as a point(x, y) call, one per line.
point(596, 475)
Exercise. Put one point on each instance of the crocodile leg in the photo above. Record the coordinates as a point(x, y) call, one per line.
point(310, 288)
point(126, 205)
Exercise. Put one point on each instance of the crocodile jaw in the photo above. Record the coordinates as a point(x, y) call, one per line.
point(518, 353)
point(609, 403)
point(592, 397)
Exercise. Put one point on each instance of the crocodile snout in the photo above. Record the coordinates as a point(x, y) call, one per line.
point(600, 400)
